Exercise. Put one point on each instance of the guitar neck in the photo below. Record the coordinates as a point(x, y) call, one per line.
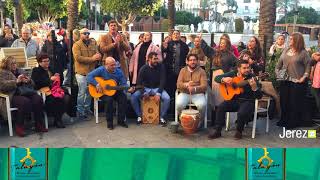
point(118, 88)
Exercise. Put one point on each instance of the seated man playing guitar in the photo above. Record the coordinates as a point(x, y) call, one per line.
point(110, 72)
point(243, 103)
point(152, 76)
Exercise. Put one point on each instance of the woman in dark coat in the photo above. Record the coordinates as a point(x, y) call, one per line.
point(43, 80)
point(57, 55)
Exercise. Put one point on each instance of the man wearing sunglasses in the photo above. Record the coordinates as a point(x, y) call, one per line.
point(115, 45)
point(86, 56)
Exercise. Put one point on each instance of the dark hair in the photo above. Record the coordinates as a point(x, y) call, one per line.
point(244, 52)
point(257, 52)
point(112, 21)
point(141, 35)
point(298, 41)
point(240, 62)
point(42, 56)
point(189, 55)
point(176, 30)
point(151, 54)
point(3, 34)
point(225, 35)
point(184, 37)
point(217, 57)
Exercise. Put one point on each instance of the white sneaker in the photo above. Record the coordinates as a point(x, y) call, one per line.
point(163, 122)
point(139, 120)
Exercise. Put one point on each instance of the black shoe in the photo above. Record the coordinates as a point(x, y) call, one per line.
point(59, 124)
point(238, 135)
point(110, 126)
point(123, 124)
point(139, 122)
point(214, 134)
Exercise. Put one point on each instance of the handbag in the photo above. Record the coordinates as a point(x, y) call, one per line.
point(25, 89)
point(56, 90)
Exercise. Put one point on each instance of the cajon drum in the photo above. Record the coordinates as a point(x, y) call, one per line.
point(150, 110)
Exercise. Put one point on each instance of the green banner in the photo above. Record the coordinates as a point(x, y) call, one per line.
point(167, 164)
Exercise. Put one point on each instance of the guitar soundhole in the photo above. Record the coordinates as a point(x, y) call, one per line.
point(150, 110)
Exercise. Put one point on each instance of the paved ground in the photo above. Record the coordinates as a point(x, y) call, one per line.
point(90, 134)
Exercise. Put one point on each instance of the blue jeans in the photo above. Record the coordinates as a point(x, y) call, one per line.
point(136, 101)
point(67, 79)
point(84, 99)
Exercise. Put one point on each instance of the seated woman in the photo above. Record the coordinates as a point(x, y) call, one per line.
point(25, 103)
point(43, 79)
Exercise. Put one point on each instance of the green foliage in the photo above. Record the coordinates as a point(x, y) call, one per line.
point(305, 16)
point(187, 18)
point(47, 10)
point(239, 25)
point(165, 25)
point(164, 13)
point(8, 10)
point(134, 7)
point(271, 66)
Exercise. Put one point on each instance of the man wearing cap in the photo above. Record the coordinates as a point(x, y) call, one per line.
point(85, 55)
point(32, 47)
point(115, 45)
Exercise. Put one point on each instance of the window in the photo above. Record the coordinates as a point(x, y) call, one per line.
point(246, 8)
point(246, 1)
point(257, 1)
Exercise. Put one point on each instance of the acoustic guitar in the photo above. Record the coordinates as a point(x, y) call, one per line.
point(109, 88)
point(228, 91)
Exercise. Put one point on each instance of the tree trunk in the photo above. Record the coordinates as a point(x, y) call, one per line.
point(72, 14)
point(72, 11)
point(171, 14)
point(266, 23)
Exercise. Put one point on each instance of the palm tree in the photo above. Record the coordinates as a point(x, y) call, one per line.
point(72, 11)
point(266, 23)
point(171, 14)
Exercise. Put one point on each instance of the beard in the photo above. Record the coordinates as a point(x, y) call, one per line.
point(192, 66)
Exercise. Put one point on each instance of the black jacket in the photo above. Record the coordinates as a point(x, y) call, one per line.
point(58, 58)
point(6, 42)
point(40, 78)
point(170, 52)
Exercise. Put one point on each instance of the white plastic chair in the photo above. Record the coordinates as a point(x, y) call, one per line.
point(206, 109)
point(10, 109)
point(257, 110)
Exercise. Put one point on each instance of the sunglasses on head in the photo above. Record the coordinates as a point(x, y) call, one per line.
point(86, 33)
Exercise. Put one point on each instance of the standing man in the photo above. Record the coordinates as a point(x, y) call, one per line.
point(32, 47)
point(110, 71)
point(242, 103)
point(153, 77)
point(114, 44)
point(176, 53)
point(85, 55)
point(192, 84)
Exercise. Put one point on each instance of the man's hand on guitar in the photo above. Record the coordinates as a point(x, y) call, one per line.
point(99, 88)
point(253, 84)
point(227, 80)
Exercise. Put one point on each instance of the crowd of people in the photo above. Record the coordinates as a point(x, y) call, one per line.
point(162, 70)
